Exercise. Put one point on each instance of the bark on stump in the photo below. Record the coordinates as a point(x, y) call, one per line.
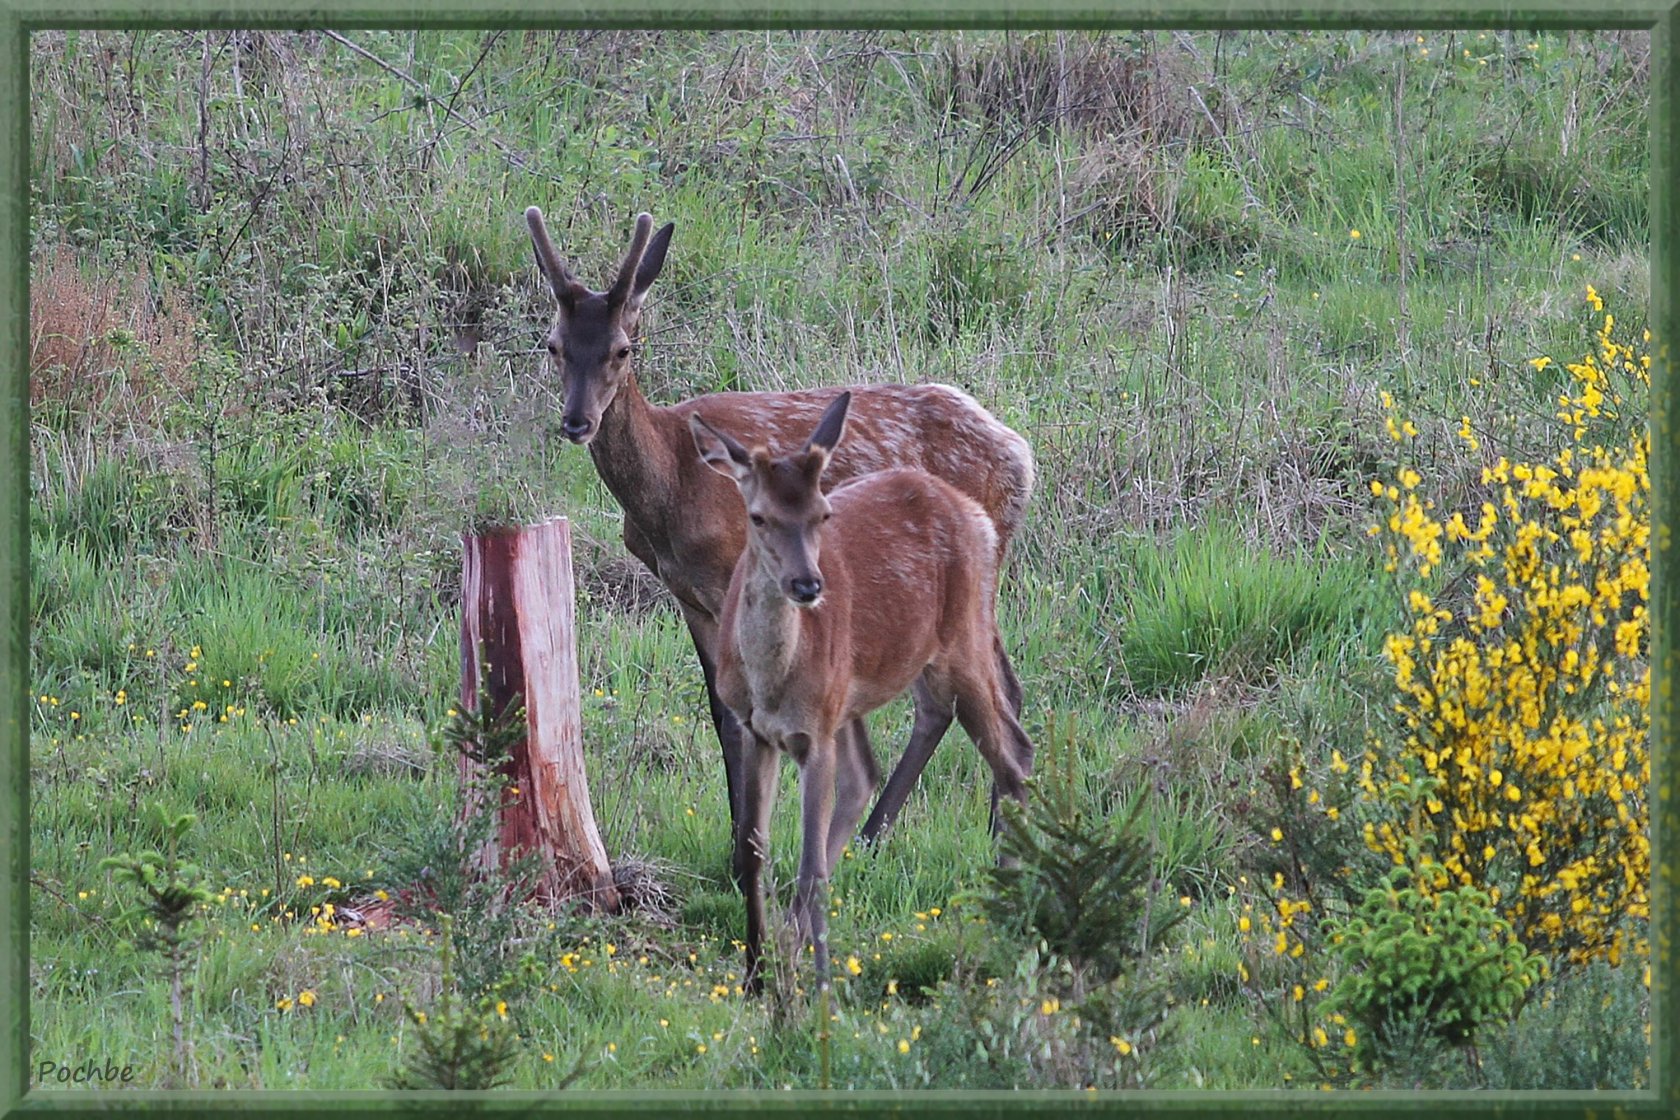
point(517, 614)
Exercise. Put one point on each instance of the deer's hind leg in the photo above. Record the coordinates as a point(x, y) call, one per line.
point(1016, 741)
point(1006, 673)
point(933, 719)
point(855, 778)
point(983, 711)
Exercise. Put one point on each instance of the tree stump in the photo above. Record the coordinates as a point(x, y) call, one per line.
point(517, 616)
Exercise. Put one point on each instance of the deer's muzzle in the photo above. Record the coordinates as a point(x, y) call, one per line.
point(805, 590)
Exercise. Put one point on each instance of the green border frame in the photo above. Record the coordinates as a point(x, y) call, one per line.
point(17, 19)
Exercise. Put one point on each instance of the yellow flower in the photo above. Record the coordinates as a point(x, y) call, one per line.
point(307, 998)
point(853, 966)
point(903, 1046)
point(284, 1003)
point(1354, 234)
point(1120, 1044)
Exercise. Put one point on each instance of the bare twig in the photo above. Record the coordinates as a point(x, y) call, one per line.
point(204, 127)
point(1250, 199)
point(455, 94)
point(513, 157)
point(1403, 327)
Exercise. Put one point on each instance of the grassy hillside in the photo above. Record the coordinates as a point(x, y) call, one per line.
point(286, 347)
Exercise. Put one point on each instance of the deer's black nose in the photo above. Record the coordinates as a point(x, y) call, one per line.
point(575, 428)
point(805, 590)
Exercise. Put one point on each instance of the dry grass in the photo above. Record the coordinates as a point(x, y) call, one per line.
point(105, 349)
point(1102, 84)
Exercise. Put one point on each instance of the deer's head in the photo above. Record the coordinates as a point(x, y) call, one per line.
point(786, 507)
point(590, 341)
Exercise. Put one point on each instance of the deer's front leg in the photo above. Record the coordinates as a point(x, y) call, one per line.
point(752, 846)
point(816, 799)
point(702, 630)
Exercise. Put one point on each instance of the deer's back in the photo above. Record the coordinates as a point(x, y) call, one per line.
point(938, 429)
point(920, 573)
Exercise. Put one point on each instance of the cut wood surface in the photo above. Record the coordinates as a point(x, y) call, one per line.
point(517, 616)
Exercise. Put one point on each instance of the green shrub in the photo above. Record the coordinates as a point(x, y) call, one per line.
point(1562, 1043)
point(1084, 887)
point(1444, 964)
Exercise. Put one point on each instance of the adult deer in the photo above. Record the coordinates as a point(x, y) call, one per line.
point(682, 521)
point(905, 593)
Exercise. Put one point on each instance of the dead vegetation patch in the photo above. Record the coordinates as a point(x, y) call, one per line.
point(1104, 84)
point(105, 349)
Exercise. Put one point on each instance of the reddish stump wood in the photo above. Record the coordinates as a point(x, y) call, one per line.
point(517, 610)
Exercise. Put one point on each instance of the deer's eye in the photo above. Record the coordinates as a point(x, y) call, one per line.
point(828, 514)
point(623, 352)
point(755, 519)
point(554, 349)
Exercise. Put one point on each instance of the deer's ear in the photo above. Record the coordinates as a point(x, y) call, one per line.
point(829, 429)
point(652, 261)
point(718, 451)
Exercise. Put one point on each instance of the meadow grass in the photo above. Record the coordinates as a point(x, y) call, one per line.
point(285, 340)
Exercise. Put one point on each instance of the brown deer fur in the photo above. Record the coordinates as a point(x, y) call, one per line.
point(684, 522)
point(840, 603)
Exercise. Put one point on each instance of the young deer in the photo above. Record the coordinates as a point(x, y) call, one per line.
point(905, 594)
point(681, 520)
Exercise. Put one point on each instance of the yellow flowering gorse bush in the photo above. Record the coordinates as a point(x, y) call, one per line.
point(1521, 673)
point(1516, 762)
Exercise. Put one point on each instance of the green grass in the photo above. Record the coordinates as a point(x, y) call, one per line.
point(283, 366)
point(1205, 606)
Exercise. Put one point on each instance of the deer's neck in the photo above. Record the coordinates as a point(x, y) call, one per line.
point(634, 458)
point(768, 629)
